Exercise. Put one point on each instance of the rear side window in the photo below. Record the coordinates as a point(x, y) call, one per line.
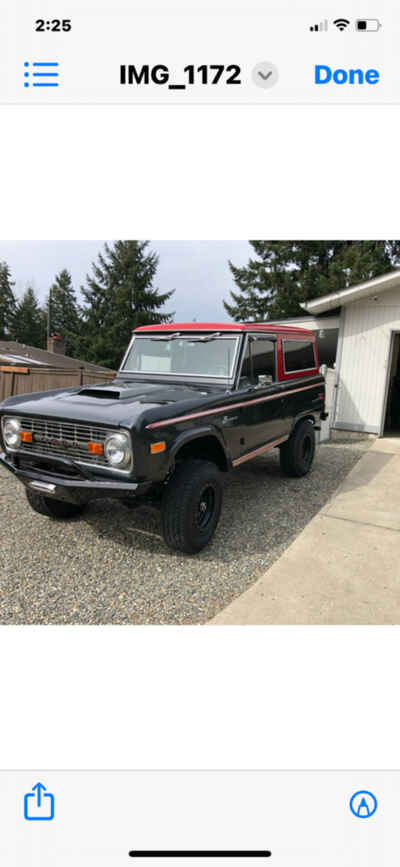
point(298, 355)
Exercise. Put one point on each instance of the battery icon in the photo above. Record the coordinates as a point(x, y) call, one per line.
point(368, 24)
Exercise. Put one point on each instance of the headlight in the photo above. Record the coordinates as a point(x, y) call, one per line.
point(11, 428)
point(117, 450)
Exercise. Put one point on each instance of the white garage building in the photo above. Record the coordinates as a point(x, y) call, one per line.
point(367, 377)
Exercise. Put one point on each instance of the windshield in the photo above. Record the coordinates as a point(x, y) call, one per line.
point(179, 355)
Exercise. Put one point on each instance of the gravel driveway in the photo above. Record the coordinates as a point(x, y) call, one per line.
point(111, 565)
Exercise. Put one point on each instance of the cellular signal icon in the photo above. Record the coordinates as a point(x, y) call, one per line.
point(316, 28)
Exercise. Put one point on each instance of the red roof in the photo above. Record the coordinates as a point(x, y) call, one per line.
point(226, 326)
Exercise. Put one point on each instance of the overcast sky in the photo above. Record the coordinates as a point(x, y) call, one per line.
point(197, 270)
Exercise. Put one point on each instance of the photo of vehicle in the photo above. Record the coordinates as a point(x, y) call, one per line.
point(190, 402)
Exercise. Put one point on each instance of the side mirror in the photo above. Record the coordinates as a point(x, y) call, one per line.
point(323, 370)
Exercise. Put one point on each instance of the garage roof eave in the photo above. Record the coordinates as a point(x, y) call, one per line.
point(312, 323)
point(354, 293)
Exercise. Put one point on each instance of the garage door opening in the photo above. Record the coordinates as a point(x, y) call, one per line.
point(392, 417)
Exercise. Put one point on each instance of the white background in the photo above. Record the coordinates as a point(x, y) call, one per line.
point(199, 697)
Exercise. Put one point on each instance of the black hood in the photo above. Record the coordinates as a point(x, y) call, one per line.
point(120, 402)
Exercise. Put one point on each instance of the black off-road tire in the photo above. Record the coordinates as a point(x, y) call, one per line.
point(53, 508)
point(297, 454)
point(191, 505)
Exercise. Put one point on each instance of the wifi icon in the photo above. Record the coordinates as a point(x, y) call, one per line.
point(341, 23)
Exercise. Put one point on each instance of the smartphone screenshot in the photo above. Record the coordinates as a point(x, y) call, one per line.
point(199, 433)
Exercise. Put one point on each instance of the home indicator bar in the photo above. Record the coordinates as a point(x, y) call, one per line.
point(200, 853)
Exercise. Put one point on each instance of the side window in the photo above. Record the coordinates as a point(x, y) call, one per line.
point(298, 355)
point(259, 360)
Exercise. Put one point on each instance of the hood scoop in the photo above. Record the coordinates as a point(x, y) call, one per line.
point(109, 392)
point(102, 393)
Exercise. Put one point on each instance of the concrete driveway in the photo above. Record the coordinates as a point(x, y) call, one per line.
point(344, 567)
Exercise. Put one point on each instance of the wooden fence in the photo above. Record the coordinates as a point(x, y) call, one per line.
point(25, 380)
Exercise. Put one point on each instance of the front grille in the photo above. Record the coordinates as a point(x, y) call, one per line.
point(63, 439)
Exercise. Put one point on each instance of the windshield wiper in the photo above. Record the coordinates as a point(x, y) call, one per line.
point(176, 334)
point(206, 338)
point(168, 336)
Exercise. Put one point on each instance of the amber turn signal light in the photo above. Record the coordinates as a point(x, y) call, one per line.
point(155, 448)
point(25, 436)
point(95, 448)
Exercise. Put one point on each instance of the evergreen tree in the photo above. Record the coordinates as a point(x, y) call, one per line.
point(29, 322)
point(7, 301)
point(119, 297)
point(285, 273)
point(64, 311)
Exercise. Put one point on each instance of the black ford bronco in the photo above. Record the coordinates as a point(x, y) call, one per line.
point(190, 402)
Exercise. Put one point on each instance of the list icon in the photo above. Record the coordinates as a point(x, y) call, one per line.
point(41, 74)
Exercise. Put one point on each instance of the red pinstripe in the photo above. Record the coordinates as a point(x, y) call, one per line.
point(258, 451)
point(205, 412)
